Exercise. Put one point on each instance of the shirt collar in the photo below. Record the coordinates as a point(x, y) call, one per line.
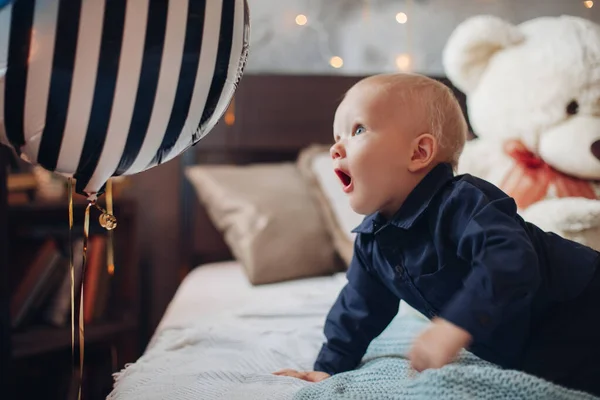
point(414, 205)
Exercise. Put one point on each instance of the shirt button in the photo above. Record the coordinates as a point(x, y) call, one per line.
point(399, 269)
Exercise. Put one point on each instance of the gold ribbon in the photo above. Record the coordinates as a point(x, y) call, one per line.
point(109, 222)
point(110, 258)
point(72, 268)
point(86, 232)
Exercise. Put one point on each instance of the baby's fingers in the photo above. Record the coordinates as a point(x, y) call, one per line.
point(286, 372)
point(293, 373)
point(310, 376)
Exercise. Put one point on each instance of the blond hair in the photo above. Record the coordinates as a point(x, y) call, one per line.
point(441, 109)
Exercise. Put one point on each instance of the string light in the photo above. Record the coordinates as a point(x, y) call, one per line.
point(588, 4)
point(323, 44)
point(301, 19)
point(401, 18)
point(403, 62)
point(336, 62)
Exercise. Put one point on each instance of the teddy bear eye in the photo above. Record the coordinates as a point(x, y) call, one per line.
point(572, 107)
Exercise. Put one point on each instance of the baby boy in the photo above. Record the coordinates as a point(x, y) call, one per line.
point(452, 247)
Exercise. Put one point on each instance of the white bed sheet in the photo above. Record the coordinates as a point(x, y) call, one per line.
point(222, 338)
point(215, 290)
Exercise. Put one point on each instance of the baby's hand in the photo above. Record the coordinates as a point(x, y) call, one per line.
point(311, 376)
point(438, 345)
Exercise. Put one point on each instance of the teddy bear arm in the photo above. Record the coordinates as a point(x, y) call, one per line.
point(574, 218)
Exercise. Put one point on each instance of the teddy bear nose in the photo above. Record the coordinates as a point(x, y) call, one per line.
point(596, 149)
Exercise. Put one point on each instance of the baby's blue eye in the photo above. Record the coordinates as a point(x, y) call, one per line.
point(359, 129)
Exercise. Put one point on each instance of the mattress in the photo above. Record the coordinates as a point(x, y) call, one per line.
point(222, 338)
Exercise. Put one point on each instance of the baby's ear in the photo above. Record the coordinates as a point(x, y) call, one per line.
point(472, 45)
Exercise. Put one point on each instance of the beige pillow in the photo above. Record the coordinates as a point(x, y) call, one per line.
point(314, 163)
point(269, 220)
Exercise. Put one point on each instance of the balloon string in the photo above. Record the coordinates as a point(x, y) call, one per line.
point(109, 222)
point(72, 271)
point(86, 232)
point(109, 208)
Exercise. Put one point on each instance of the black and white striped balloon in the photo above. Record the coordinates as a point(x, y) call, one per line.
point(92, 89)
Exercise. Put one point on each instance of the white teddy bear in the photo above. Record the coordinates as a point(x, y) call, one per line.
point(533, 98)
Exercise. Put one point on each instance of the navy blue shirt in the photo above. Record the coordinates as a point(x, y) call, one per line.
point(456, 249)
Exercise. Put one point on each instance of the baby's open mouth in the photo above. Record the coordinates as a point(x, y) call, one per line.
point(344, 177)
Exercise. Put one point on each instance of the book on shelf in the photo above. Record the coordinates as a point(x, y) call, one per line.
point(96, 282)
point(34, 289)
point(59, 308)
point(44, 293)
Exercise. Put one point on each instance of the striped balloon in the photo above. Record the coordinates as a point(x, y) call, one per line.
point(97, 88)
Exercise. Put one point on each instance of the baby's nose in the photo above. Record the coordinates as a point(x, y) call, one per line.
point(337, 151)
point(596, 149)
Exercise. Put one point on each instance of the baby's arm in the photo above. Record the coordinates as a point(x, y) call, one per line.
point(498, 290)
point(504, 265)
point(505, 271)
point(363, 309)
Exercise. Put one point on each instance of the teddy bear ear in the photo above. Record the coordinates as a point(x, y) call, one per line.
point(472, 45)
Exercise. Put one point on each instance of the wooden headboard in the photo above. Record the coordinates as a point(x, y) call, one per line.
point(271, 118)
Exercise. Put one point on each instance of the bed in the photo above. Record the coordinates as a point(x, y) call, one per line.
point(256, 296)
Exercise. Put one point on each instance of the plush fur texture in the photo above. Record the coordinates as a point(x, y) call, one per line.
point(538, 84)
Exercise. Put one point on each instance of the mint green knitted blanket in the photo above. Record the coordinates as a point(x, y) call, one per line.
point(385, 374)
